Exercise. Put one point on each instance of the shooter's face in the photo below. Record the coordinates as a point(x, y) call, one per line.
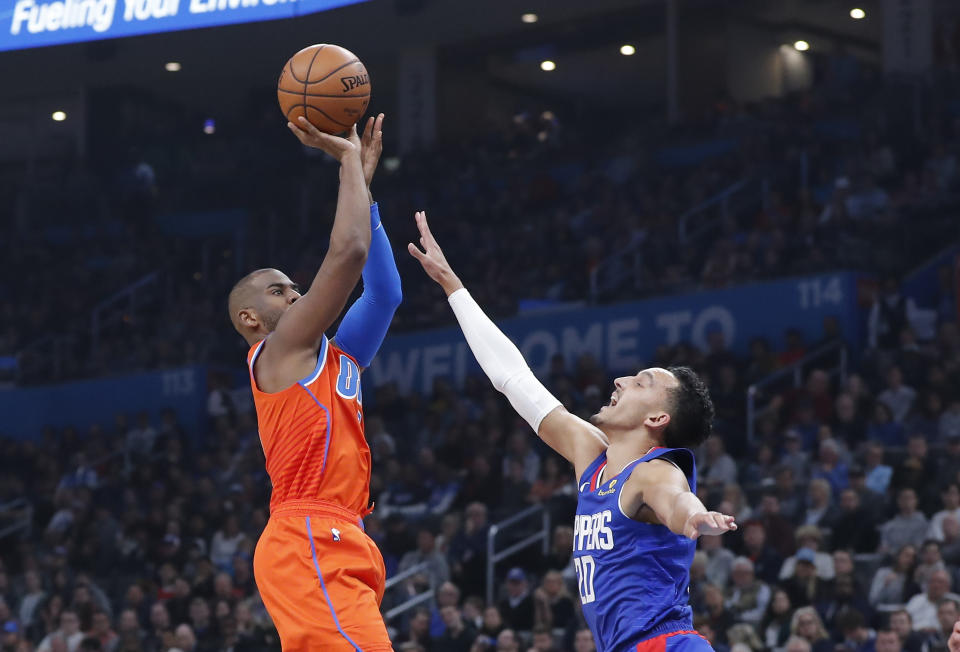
point(276, 293)
point(636, 400)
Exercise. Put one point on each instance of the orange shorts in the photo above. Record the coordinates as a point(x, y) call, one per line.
point(321, 579)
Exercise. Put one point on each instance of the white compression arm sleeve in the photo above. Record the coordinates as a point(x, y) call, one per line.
point(501, 360)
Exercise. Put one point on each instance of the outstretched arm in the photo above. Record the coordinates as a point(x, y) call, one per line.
point(662, 487)
point(576, 440)
point(365, 325)
point(302, 326)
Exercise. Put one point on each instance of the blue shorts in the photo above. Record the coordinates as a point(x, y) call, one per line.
point(685, 641)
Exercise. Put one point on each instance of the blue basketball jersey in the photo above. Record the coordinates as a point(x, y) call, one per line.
point(633, 577)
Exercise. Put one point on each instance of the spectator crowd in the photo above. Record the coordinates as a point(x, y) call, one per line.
point(567, 214)
point(141, 537)
point(137, 536)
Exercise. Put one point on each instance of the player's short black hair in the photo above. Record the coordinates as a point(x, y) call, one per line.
point(691, 411)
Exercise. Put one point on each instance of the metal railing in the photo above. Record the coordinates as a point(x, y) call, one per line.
point(118, 304)
point(688, 227)
point(43, 357)
point(420, 598)
point(543, 535)
point(616, 268)
point(608, 275)
point(796, 371)
point(16, 517)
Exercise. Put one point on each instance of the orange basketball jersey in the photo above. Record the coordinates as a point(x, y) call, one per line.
point(312, 433)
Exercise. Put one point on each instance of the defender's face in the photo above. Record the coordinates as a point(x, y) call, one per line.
point(275, 293)
point(637, 398)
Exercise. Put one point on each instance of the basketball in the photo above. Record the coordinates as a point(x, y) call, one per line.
point(327, 84)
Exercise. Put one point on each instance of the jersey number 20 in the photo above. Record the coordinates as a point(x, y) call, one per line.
point(585, 569)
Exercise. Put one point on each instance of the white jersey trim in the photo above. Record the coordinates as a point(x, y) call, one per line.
point(256, 352)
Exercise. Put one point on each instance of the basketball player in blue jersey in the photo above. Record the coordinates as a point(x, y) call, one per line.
point(638, 516)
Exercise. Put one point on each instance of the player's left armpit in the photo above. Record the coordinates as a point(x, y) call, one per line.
point(365, 325)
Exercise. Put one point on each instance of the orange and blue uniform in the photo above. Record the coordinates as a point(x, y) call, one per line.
point(320, 576)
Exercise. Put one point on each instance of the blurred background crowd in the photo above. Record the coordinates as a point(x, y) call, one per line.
point(848, 504)
point(140, 531)
point(542, 208)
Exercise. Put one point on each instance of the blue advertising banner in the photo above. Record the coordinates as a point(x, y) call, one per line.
point(624, 336)
point(33, 23)
point(82, 404)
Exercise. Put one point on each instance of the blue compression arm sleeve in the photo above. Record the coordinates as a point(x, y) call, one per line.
point(365, 325)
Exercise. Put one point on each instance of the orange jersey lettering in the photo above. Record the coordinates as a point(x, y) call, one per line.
point(312, 433)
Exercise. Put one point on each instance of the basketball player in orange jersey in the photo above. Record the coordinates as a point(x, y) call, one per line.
point(321, 577)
